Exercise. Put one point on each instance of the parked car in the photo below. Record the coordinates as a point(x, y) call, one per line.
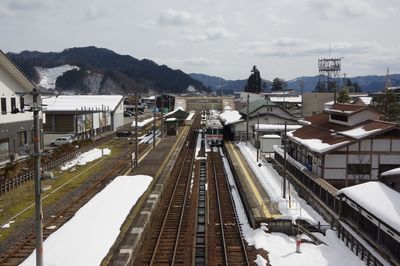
point(71, 136)
point(60, 141)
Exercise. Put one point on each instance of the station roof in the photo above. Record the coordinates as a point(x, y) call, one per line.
point(383, 201)
point(70, 103)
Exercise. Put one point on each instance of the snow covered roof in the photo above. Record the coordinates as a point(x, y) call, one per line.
point(371, 196)
point(359, 132)
point(230, 116)
point(289, 99)
point(393, 172)
point(190, 116)
point(366, 100)
point(266, 127)
point(318, 145)
point(328, 136)
point(345, 108)
point(82, 102)
point(271, 136)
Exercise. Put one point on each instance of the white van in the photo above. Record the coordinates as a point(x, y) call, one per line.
point(60, 141)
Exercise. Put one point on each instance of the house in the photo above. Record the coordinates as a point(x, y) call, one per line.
point(262, 111)
point(346, 145)
point(16, 122)
point(83, 115)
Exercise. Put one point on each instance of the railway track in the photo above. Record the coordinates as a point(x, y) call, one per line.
point(225, 243)
point(170, 239)
point(23, 248)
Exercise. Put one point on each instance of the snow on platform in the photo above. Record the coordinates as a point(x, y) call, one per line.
point(378, 199)
point(282, 248)
point(87, 237)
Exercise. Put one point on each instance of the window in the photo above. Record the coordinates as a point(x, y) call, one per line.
point(359, 169)
point(339, 117)
point(3, 106)
point(13, 106)
point(21, 104)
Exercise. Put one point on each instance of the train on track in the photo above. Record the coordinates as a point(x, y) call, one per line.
point(214, 129)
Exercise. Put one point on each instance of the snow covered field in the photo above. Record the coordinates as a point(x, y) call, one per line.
point(86, 157)
point(281, 247)
point(48, 76)
point(87, 237)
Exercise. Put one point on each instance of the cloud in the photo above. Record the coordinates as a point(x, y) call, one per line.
point(172, 17)
point(212, 34)
point(195, 61)
point(28, 4)
point(295, 47)
point(342, 8)
point(94, 12)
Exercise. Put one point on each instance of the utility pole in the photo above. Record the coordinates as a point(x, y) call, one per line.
point(162, 115)
point(136, 130)
point(154, 127)
point(302, 98)
point(247, 118)
point(38, 186)
point(284, 162)
point(258, 136)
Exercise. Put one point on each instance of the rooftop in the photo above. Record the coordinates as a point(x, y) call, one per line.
point(382, 196)
point(81, 102)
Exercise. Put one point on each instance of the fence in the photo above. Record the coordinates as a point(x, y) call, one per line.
point(7, 185)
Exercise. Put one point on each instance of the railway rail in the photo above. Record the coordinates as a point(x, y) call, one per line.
point(23, 248)
point(228, 246)
point(170, 239)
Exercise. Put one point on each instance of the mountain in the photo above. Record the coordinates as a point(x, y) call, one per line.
point(367, 83)
point(98, 70)
point(229, 86)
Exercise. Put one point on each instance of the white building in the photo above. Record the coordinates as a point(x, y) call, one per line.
point(347, 144)
point(83, 115)
point(16, 124)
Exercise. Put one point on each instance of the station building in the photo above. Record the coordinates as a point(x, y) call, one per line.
point(83, 115)
point(346, 145)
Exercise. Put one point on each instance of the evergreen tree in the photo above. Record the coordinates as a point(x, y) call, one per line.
point(254, 81)
point(278, 84)
point(344, 96)
point(387, 103)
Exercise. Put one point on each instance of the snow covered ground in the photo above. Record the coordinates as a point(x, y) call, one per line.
point(281, 247)
point(87, 237)
point(48, 76)
point(86, 157)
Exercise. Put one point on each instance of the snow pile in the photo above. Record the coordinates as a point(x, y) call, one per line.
point(282, 248)
point(382, 196)
point(229, 117)
point(144, 122)
point(359, 132)
point(88, 236)
point(190, 116)
point(86, 157)
point(316, 144)
point(274, 127)
point(48, 76)
point(272, 182)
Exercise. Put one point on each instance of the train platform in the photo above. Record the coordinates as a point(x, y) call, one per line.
point(158, 163)
point(256, 201)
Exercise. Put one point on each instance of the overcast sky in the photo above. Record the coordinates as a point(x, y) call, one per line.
point(284, 38)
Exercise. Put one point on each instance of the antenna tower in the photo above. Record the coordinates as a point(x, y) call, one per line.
point(329, 74)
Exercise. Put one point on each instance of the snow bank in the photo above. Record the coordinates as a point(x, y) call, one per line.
point(87, 237)
point(144, 122)
point(86, 157)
